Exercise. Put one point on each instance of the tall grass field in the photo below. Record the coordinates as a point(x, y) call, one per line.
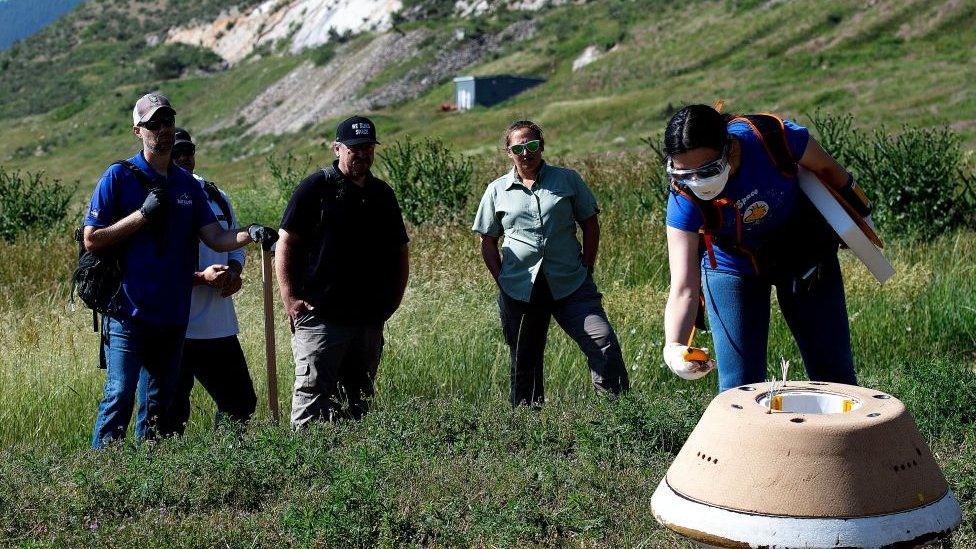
point(442, 459)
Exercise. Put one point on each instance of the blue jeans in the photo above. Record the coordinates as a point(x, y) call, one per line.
point(138, 358)
point(738, 316)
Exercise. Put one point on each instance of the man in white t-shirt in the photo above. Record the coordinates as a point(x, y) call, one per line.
point(211, 352)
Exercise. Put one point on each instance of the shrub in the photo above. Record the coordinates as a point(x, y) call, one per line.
point(914, 178)
point(837, 136)
point(27, 202)
point(321, 55)
point(652, 193)
point(287, 172)
point(173, 59)
point(259, 202)
point(432, 183)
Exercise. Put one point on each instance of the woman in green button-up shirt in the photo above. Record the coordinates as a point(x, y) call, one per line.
point(542, 271)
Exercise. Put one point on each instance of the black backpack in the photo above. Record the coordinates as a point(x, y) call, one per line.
point(98, 279)
point(213, 193)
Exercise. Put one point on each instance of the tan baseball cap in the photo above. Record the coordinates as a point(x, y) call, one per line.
point(147, 105)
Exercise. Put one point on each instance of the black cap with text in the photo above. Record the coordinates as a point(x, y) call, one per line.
point(356, 130)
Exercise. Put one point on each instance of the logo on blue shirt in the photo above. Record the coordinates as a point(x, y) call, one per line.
point(756, 211)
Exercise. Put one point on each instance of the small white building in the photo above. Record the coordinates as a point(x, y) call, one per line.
point(489, 90)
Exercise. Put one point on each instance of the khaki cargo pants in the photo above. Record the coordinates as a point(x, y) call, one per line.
point(335, 367)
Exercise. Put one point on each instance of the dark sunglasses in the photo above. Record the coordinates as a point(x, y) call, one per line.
point(155, 124)
point(184, 149)
point(531, 146)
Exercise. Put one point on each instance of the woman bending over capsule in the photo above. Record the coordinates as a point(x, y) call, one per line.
point(734, 191)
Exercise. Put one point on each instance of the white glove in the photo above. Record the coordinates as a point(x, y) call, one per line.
point(674, 357)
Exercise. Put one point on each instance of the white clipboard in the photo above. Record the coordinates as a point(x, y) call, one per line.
point(845, 226)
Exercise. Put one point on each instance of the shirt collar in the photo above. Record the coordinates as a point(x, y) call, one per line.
point(514, 179)
point(140, 160)
point(348, 182)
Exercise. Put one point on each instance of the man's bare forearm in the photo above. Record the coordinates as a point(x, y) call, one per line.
point(221, 240)
point(99, 238)
point(285, 267)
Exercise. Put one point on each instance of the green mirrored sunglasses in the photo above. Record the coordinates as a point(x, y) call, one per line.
point(530, 146)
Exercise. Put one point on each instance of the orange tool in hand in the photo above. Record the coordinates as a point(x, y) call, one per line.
point(693, 354)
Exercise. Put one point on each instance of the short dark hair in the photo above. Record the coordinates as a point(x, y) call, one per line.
point(693, 127)
point(522, 124)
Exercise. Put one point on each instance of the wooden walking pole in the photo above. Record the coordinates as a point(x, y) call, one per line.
point(269, 334)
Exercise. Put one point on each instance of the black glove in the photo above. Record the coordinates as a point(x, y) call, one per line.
point(855, 197)
point(265, 235)
point(154, 204)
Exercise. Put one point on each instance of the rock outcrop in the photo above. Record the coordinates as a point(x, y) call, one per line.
point(309, 93)
point(299, 23)
point(347, 83)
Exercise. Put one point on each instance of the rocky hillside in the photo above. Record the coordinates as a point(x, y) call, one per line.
point(298, 25)
point(341, 77)
point(350, 80)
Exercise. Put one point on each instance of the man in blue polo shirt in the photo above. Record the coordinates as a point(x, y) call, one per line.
point(152, 223)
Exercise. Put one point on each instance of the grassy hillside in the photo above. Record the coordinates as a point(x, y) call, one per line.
point(889, 63)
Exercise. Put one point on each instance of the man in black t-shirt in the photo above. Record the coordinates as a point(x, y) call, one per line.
point(342, 269)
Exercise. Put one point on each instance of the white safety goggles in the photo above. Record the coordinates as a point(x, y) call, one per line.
point(705, 171)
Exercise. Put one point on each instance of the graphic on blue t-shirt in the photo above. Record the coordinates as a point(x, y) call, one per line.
point(765, 197)
point(158, 260)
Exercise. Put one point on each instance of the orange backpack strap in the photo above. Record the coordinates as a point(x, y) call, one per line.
point(737, 245)
point(771, 132)
point(711, 216)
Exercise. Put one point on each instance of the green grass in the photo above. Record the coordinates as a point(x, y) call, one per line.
point(401, 477)
point(745, 58)
point(442, 460)
point(82, 144)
